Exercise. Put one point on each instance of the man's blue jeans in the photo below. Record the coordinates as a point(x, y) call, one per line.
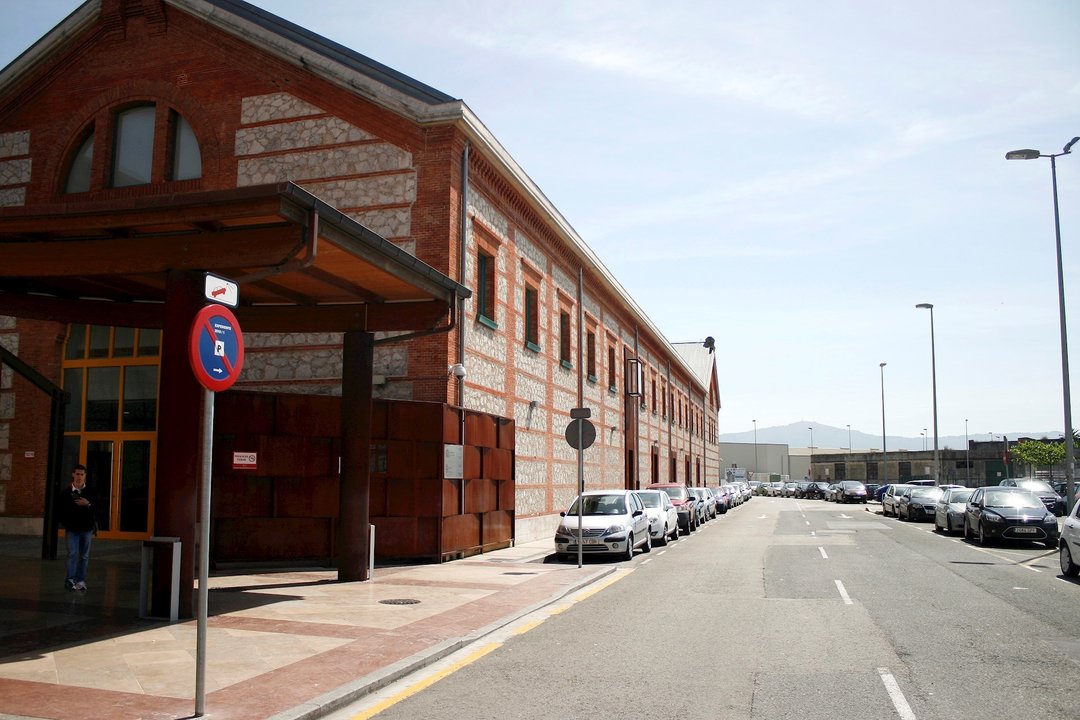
point(78, 554)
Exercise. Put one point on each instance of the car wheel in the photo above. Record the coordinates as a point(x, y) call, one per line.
point(629, 554)
point(948, 526)
point(967, 530)
point(674, 534)
point(1068, 567)
point(664, 537)
point(647, 547)
point(982, 534)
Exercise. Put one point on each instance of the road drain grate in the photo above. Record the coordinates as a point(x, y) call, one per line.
point(400, 601)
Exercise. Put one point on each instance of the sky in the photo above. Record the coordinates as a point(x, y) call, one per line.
point(790, 178)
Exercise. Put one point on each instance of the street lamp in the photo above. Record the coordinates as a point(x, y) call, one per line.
point(811, 429)
point(848, 439)
point(923, 433)
point(933, 380)
point(755, 445)
point(884, 451)
point(1028, 154)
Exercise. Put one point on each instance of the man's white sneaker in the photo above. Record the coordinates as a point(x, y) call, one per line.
point(80, 586)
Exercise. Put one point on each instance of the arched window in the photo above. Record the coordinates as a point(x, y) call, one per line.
point(139, 156)
point(78, 179)
point(133, 149)
point(186, 160)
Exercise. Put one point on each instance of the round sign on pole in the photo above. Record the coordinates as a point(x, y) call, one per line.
point(580, 433)
point(216, 349)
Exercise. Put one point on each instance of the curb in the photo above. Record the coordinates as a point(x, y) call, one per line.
point(343, 695)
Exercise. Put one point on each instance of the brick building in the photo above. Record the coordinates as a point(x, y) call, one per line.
point(145, 141)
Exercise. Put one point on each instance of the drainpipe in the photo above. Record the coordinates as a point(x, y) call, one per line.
point(463, 255)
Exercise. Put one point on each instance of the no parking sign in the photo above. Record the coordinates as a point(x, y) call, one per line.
point(216, 349)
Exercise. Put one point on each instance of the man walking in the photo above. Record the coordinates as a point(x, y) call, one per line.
point(77, 516)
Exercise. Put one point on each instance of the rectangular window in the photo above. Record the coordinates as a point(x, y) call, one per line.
point(611, 368)
point(840, 470)
point(532, 318)
point(872, 471)
point(590, 360)
point(564, 339)
point(654, 393)
point(485, 288)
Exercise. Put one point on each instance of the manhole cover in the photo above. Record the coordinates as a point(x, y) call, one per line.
point(400, 601)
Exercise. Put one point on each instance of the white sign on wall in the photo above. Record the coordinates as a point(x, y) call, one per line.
point(245, 460)
point(453, 462)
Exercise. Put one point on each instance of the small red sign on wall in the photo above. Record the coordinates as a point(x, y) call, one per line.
point(245, 461)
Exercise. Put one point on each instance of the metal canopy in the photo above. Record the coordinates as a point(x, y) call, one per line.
point(302, 265)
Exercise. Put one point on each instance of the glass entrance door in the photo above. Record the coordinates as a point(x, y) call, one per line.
point(120, 475)
point(111, 422)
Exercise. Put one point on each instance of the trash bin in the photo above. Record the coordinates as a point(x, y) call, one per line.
point(155, 552)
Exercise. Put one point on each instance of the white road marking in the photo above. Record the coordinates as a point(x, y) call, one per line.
point(822, 551)
point(646, 561)
point(846, 517)
point(807, 522)
point(898, 700)
point(843, 593)
point(762, 517)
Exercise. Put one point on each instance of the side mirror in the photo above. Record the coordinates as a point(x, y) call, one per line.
point(639, 513)
point(562, 514)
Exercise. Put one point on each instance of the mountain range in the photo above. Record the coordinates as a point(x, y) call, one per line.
point(797, 435)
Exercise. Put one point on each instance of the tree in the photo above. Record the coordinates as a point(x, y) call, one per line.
point(1039, 454)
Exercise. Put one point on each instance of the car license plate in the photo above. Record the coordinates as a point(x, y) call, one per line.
point(592, 541)
point(1030, 530)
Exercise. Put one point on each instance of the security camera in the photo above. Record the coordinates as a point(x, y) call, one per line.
point(457, 370)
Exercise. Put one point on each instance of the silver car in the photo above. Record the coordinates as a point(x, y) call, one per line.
point(949, 511)
point(612, 522)
point(663, 517)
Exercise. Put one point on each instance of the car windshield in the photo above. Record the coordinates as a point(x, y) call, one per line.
point(675, 493)
point(960, 496)
point(852, 484)
point(1035, 485)
point(600, 505)
point(650, 499)
point(1009, 497)
point(926, 493)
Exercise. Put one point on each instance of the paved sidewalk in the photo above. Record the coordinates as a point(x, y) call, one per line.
point(284, 645)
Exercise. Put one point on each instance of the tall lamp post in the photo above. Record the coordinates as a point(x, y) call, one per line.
point(755, 445)
point(811, 429)
point(1029, 154)
point(933, 380)
point(884, 451)
point(923, 433)
point(848, 439)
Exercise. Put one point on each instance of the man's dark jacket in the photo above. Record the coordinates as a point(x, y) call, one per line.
point(76, 518)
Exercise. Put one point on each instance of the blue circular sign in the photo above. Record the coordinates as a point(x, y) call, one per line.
point(216, 349)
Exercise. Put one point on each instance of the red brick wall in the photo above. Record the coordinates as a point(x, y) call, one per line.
point(38, 344)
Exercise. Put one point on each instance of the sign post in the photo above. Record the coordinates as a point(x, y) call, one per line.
point(216, 352)
point(580, 434)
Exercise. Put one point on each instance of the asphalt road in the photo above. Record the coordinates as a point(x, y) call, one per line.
point(783, 608)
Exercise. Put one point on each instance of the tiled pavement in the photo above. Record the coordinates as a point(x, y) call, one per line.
point(284, 644)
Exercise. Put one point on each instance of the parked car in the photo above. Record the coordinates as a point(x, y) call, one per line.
point(871, 490)
point(736, 497)
point(918, 503)
point(723, 498)
point(830, 492)
point(707, 506)
point(1069, 550)
point(888, 500)
point(879, 494)
point(663, 517)
point(801, 488)
point(1009, 513)
point(789, 489)
point(744, 490)
point(1053, 502)
point(776, 489)
point(612, 521)
point(851, 491)
point(949, 510)
point(818, 490)
point(683, 502)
